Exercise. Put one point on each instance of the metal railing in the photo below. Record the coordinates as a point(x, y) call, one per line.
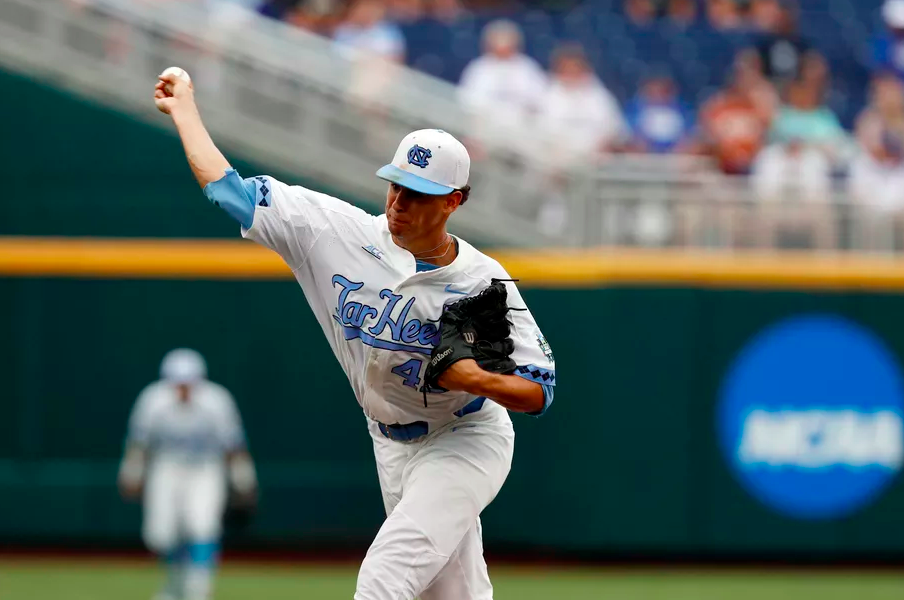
point(287, 98)
point(692, 205)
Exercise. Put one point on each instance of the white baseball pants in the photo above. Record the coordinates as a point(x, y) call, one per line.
point(183, 503)
point(430, 546)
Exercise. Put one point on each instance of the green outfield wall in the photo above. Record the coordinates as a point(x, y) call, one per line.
point(627, 460)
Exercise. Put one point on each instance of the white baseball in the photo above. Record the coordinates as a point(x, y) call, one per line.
point(178, 72)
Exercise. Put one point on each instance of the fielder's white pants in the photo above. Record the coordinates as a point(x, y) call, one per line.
point(183, 503)
point(430, 546)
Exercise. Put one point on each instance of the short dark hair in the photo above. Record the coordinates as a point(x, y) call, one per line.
point(465, 192)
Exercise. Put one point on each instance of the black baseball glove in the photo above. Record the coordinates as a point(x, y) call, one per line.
point(474, 327)
point(240, 509)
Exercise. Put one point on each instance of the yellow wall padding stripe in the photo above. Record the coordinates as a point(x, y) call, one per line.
point(238, 259)
point(718, 269)
point(138, 258)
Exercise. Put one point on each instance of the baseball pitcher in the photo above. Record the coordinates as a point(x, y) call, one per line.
point(185, 449)
point(433, 335)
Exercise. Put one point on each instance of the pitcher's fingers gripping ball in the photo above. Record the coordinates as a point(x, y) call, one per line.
point(173, 83)
point(176, 72)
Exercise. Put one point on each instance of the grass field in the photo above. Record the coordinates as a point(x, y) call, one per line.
point(99, 580)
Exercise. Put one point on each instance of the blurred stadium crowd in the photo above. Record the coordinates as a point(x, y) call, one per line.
point(802, 94)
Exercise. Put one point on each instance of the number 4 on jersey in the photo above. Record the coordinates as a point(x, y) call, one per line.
point(409, 371)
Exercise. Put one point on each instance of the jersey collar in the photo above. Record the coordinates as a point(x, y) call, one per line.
point(403, 257)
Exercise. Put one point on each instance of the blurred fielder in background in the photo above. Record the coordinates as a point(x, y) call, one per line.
point(185, 447)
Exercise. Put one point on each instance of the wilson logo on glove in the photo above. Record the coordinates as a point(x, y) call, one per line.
point(441, 356)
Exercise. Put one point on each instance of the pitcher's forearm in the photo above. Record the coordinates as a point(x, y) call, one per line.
point(512, 392)
point(206, 161)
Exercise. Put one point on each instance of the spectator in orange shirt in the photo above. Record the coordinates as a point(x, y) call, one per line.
point(735, 121)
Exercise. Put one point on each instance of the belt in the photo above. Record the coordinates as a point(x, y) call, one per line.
point(411, 432)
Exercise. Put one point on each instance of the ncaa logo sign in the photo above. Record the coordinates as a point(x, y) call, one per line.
point(811, 417)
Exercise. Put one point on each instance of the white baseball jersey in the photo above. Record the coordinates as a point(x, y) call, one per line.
point(378, 312)
point(203, 429)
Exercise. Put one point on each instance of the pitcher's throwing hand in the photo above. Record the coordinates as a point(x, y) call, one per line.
point(174, 88)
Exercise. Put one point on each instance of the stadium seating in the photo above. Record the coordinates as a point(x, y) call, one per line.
point(698, 57)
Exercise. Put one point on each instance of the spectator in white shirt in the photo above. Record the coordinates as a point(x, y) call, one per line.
point(580, 119)
point(578, 112)
point(877, 185)
point(793, 185)
point(503, 86)
point(877, 173)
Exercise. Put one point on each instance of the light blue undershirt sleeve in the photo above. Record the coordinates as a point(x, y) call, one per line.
point(234, 195)
point(548, 391)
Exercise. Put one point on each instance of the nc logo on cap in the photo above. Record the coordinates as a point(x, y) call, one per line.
point(418, 156)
